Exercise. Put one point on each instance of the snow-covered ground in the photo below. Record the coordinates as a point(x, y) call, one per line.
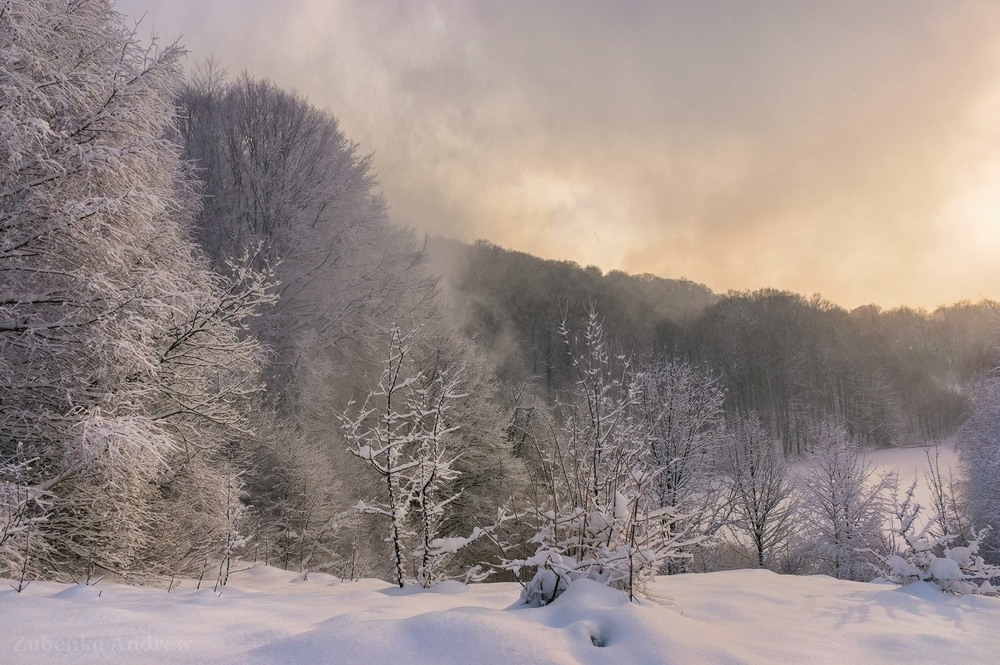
point(269, 616)
point(909, 463)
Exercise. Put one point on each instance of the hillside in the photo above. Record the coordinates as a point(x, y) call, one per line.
point(514, 304)
point(896, 377)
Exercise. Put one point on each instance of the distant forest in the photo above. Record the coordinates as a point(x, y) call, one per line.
point(894, 377)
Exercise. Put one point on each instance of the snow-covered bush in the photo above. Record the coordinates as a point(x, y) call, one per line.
point(621, 546)
point(600, 515)
point(926, 557)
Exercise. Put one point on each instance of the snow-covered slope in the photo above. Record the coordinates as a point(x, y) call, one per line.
point(268, 616)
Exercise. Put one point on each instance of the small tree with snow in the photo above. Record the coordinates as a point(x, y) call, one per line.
point(844, 504)
point(400, 430)
point(762, 492)
point(602, 519)
point(233, 536)
point(22, 508)
point(430, 403)
point(979, 453)
point(925, 557)
point(947, 496)
point(681, 406)
point(377, 432)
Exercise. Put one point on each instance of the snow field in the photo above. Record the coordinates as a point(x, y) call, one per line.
point(909, 463)
point(269, 616)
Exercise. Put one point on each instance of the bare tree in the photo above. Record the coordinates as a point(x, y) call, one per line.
point(761, 489)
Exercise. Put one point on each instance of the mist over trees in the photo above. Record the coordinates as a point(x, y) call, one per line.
point(281, 182)
point(894, 377)
point(216, 346)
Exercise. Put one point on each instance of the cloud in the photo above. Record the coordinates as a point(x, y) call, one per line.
point(844, 148)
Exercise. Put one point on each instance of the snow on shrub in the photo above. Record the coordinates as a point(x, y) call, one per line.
point(929, 558)
point(602, 520)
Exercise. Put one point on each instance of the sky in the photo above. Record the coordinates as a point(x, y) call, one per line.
point(850, 149)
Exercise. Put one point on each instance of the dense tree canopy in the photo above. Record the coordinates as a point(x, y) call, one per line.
point(127, 369)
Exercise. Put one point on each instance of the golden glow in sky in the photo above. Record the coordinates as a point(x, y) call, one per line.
point(845, 148)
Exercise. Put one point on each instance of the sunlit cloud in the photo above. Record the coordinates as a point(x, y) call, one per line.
point(848, 148)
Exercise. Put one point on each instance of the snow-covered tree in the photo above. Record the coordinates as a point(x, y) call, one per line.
point(23, 509)
point(947, 496)
point(377, 433)
point(844, 505)
point(599, 515)
point(435, 469)
point(762, 492)
point(402, 430)
point(979, 452)
point(278, 174)
point(488, 471)
point(291, 484)
point(280, 179)
point(127, 368)
point(682, 409)
point(232, 536)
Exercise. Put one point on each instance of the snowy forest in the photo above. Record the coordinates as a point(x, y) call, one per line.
point(217, 348)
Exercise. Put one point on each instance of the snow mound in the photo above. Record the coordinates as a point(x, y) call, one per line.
point(447, 587)
point(80, 592)
point(589, 623)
